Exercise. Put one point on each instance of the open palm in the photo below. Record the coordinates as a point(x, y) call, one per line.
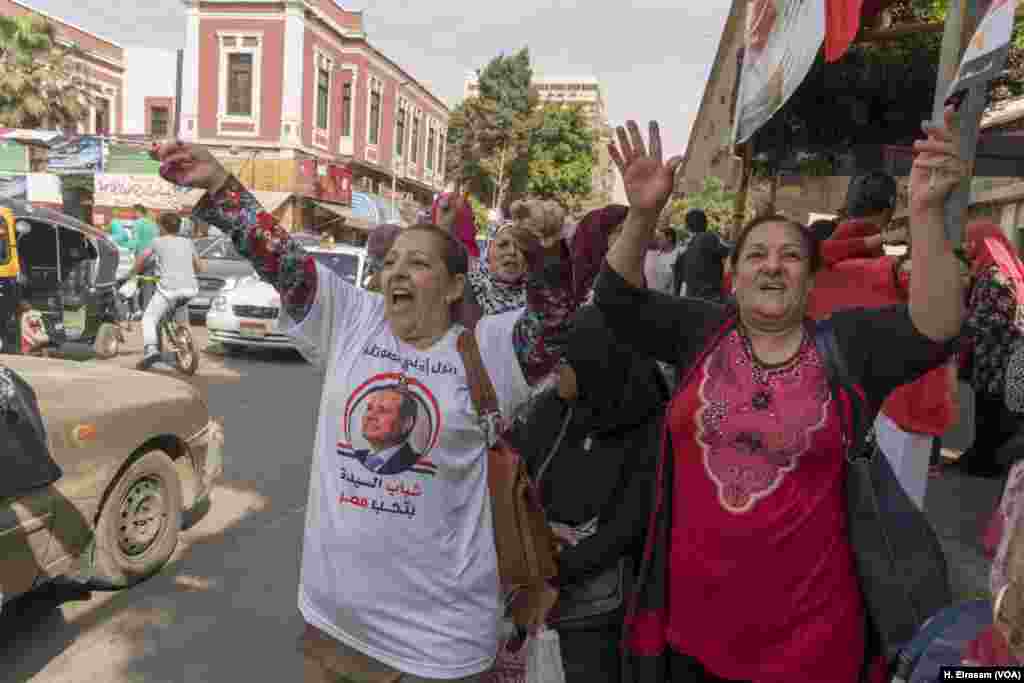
point(648, 180)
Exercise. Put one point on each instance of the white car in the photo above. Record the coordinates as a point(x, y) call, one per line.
point(247, 314)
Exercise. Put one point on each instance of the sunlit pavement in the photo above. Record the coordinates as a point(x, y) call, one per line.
point(224, 609)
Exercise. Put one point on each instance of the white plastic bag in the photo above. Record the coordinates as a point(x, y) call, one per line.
point(544, 658)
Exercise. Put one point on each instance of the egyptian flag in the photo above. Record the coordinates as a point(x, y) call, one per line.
point(842, 21)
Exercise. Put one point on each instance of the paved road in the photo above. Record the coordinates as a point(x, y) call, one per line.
point(225, 607)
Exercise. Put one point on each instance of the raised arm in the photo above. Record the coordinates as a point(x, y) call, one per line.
point(229, 206)
point(652, 323)
point(936, 299)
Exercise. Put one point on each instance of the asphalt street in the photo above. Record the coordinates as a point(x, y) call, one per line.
point(225, 608)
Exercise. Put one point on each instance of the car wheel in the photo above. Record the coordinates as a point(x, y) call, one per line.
point(232, 348)
point(107, 342)
point(140, 521)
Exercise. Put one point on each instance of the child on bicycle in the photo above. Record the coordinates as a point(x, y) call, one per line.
point(177, 264)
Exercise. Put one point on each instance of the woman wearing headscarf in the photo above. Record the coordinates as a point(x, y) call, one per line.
point(455, 214)
point(749, 571)
point(992, 329)
point(590, 245)
point(595, 483)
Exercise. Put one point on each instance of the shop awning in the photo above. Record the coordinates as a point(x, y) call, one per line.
point(271, 201)
point(346, 212)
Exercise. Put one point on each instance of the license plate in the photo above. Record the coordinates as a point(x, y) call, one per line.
point(200, 301)
point(253, 329)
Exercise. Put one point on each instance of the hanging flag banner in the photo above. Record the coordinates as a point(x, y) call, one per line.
point(782, 40)
point(114, 189)
point(983, 60)
point(79, 154)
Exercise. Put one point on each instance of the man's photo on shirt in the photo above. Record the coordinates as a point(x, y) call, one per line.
point(388, 421)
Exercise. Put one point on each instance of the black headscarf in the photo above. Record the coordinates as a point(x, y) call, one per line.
point(617, 388)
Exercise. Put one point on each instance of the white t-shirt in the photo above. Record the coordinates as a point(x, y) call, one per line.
point(175, 254)
point(402, 566)
point(658, 269)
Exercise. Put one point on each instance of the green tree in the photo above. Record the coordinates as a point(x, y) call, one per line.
point(717, 202)
point(41, 84)
point(562, 155)
point(488, 136)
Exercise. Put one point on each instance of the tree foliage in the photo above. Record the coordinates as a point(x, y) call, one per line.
point(877, 94)
point(717, 202)
point(41, 84)
point(505, 143)
point(562, 155)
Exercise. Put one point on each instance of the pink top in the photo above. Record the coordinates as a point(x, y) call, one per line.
point(762, 580)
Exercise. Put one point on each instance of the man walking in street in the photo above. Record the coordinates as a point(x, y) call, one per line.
point(703, 267)
point(145, 231)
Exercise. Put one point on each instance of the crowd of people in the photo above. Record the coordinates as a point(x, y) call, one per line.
point(711, 493)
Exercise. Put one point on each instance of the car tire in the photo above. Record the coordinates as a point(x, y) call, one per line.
point(140, 521)
point(107, 342)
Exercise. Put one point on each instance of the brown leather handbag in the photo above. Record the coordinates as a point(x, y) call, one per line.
point(525, 544)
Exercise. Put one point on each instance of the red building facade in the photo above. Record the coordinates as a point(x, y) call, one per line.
point(298, 79)
point(104, 64)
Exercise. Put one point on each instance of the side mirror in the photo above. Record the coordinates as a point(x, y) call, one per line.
point(23, 227)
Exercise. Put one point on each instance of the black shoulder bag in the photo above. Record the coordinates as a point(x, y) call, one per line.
point(594, 601)
point(902, 568)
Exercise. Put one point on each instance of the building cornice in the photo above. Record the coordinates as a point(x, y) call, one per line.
point(77, 51)
point(67, 23)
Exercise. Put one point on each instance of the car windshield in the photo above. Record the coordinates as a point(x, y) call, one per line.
point(217, 248)
point(345, 265)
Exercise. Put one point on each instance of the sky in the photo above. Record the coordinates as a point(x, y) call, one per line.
point(652, 57)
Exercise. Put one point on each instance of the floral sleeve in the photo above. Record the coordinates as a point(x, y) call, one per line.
point(540, 334)
point(276, 257)
point(991, 327)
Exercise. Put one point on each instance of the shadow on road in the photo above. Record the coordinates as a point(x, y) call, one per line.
point(226, 598)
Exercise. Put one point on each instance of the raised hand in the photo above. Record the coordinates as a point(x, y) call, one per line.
point(189, 165)
point(648, 180)
point(938, 168)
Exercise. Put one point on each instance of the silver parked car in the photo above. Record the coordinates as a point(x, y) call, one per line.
point(224, 267)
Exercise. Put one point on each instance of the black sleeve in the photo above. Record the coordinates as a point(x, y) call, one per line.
point(651, 323)
point(883, 349)
point(626, 521)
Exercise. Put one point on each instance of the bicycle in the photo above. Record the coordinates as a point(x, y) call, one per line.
point(184, 354)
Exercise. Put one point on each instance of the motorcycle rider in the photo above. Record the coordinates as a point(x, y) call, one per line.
point(177, 263)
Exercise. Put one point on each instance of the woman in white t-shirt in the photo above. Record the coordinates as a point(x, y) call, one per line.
point(399, 573)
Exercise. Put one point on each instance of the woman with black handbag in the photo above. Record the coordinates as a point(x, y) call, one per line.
point(591, 445)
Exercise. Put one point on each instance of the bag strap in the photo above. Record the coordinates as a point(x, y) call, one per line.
point(855, 436)
point(481, 389)
point(554, 448)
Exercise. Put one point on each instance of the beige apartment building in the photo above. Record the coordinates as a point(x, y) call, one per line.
point(587, 92)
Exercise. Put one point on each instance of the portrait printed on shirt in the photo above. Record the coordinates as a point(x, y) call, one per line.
point(390, 424)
